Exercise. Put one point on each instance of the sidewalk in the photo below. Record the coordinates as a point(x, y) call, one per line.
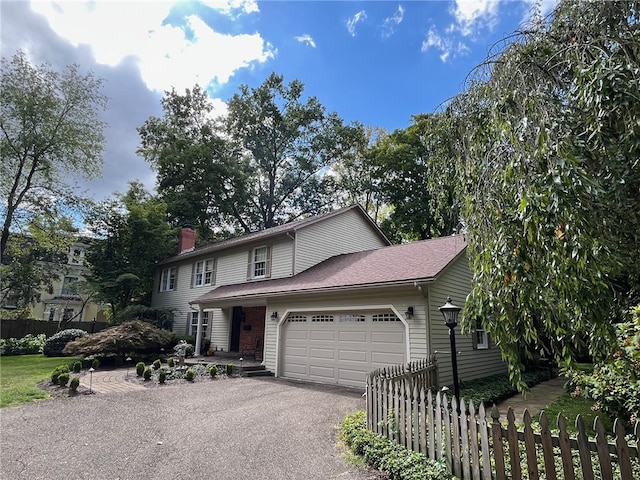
point(110, 381)
point(537, 398)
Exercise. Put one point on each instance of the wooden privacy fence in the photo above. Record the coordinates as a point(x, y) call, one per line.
point(475, 445)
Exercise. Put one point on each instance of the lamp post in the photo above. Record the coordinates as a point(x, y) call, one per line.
point(91, 370)
point(450, 313)
point(128, 360)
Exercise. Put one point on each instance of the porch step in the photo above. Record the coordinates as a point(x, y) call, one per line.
point(254, 371)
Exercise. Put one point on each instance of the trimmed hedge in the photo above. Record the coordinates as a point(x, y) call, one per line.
point(54, 345)
point(395, 461)
point(494, 389)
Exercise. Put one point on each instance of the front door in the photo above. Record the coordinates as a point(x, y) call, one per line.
point(236, 321)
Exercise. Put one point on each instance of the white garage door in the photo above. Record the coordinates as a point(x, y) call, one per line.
point(340, 348)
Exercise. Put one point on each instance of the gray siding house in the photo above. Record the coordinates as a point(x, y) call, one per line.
point(335, 302)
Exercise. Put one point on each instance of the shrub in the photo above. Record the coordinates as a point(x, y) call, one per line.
point(77, 366)
point(60, 369)
point(614, 384)
point(63, 379)
point(162, 376)
point(158, 317)
point(213, 371)
point(96, 363)
point(147, 373)
point(229, 369)
point(495, 388)
point(75, 383)
point(157, 364)
point(140, 368)
point(27, 345)
point(393, 459)
point(190, 374)
point(54, 345)
point(171, 362)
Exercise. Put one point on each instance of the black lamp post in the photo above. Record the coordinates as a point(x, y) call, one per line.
point(450, 313)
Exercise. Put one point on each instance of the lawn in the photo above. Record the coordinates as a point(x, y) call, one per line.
point(570, 408)
point(19, 375)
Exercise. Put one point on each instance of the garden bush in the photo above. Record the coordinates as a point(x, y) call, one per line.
point(190, 374)
point(77, 366)
point(75, 383)
point(213, 371)
point(495, 388)
point(54, 345)
point(59, 370)
point(95, 363)
point(63, 379)
point(171, 362)
point(395, 461)
point(157, 364)
point(162, 376)
point(229, 369)
point(614, 384)
point(158, 317)
point(147, 373)
point(140, 368)
point(27, 345)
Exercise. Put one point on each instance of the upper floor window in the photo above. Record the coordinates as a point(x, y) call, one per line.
point(259, 263)
point(204, 273)
point(168, 279)
point(76, 256)
point(67, 286)
point(481, 340)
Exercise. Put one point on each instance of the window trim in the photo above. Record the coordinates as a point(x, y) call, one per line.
point(193, 324)
point(64, 288)
point(252, 264)
point(203, 273)
point(480, 329)
point(168, 282)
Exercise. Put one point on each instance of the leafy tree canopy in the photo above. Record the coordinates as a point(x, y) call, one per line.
point(133, 235)
point(547, 136)
point(50, 132)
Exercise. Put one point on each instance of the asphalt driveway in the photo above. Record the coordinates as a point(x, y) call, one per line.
point(241, 428)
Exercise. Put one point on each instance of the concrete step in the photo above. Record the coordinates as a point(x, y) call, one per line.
point(256, 373)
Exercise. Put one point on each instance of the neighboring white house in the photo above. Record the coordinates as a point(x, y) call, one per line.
point(327, 299)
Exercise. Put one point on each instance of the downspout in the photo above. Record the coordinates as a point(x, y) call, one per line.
point(293, 252)
point(425, 293)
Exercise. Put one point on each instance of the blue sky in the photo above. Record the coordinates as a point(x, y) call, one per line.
point(375, 62)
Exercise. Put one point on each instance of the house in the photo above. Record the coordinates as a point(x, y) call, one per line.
point(64, 302)
point(61, 301)
point(279, 252)
point(327, 299)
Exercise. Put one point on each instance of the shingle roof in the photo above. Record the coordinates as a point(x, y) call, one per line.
point(396, 264)
point(269, 233)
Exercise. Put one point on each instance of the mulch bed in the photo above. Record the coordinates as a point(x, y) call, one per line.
point(56, 391)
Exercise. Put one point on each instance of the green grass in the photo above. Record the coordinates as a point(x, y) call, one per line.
point(19, 375)
point(570, 408)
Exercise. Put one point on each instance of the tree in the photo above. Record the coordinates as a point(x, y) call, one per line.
point(199, 175)
point(50, 131)
point(417, 179)
point(547, 137)
point(133, 235)
point(288, 145)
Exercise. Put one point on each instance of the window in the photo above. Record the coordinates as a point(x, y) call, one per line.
point(67, 315)
point(259, 263)
point(168, 279)
point(67, 286)
point(76, 255)
point(385, 317)
point(322, 318)
point(193, 329)
point(52, 314)
point(481, 340)
point(352, 317)
point(297, 318)
point(204, 273)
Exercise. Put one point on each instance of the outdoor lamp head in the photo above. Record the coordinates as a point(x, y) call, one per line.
point(450, 313)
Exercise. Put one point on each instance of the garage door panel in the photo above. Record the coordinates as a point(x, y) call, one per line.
point(296, 334)
point(322, 353)
point(387, 337)
point(384, 358)
point(292, 352)
point(352, 356)
point(296, 369)
point(354, 378)
point(322, 373)
point(323, 335)
point(350, 336)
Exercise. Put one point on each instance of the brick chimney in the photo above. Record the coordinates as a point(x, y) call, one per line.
point(186, 239)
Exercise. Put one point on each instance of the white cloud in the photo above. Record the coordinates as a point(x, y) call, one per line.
point(165, 56)
point(306, 39)
point(231, 6)
point(446, 45)
point(389, 24)
point(353, 21)
point(472, 15)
